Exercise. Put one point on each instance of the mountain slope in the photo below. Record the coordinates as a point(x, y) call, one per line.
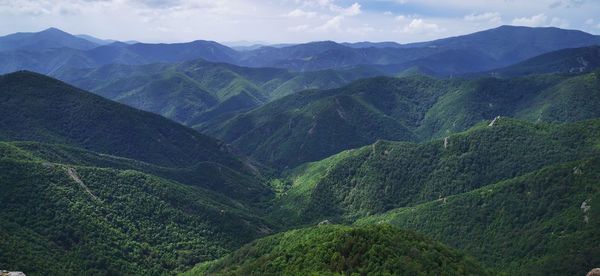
point(195, 92)
point(541, 223)
point(63, 218)
point(46, 39)
point(565, 61)
point(333, 249)
point(389, 175)
point(312, 125)
point(511, 44)
point(38, 108)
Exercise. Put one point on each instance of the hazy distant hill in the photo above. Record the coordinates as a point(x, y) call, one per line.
point(46, 39)
point(312, 125)
point(564, 61)
point(477, 52)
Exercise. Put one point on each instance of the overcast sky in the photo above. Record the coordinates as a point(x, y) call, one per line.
point(291, 20)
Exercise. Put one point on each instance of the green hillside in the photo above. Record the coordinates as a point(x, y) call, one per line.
point(37, 108)
point(388, 175)
point(71, 219)
point(312, 125)
point(542, 223)
point(343, 250)
point(194, 92)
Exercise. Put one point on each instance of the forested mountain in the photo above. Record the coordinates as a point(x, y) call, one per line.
point(59, 215)
point(38, 108)
point(312, 125)
point(541, 223)
point(194, 92)
point(334, 249)
point(388, 175)
point(185, 157)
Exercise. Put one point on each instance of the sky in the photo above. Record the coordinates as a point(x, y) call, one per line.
point(291, 21)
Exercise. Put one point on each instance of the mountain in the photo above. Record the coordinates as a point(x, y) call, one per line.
point(38, 108)
point(334, 249)
point(195, 92)
point(46, 39)
point(79, 218)
point(53, 50)
point(367, 44)
point(471, 53)
point(96, 40)
point(477, 52)
point(565, 61)
point(387, 175)
point(312, 125)
point(511, 44)
point(541, 223)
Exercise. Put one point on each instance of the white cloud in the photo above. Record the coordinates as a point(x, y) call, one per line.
point(490, 17)
point(388, 13)
point(589, 21)
point(301, 13)
point(537, 20)
point(541, 20)
point(299, 28)
point(559, 22)
point(333, 24)
point(419, 26)
point(353, 10)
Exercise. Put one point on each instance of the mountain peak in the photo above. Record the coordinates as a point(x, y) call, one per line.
point(54, 30)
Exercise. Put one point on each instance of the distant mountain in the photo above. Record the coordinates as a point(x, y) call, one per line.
point(46, 39)
point(38, 108)
point(512, 44)
point(312, 125)
point(477, 52)
point(49, 59)
point(565, 61)
point(335, 249)
point(195, 92)
point(96, 40)
point(367, 44)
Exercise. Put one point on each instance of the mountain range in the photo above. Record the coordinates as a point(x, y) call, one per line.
point(471, 53)
point(470, 155)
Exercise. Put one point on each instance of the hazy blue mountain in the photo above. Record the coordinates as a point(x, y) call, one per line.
point(195, 92)
point(565, 61)
point(511, 44)
point(367, 44)
point(477, 52)
point(46, 39)
point(312, 125)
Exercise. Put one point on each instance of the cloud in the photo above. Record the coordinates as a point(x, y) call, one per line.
point(537, 20)
point(420, 26)
point(353, 10)
point(559, 22)
point(541, 20)
point(491, 17)
point(333, 24)
point(298, 28)
point(301, 13)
